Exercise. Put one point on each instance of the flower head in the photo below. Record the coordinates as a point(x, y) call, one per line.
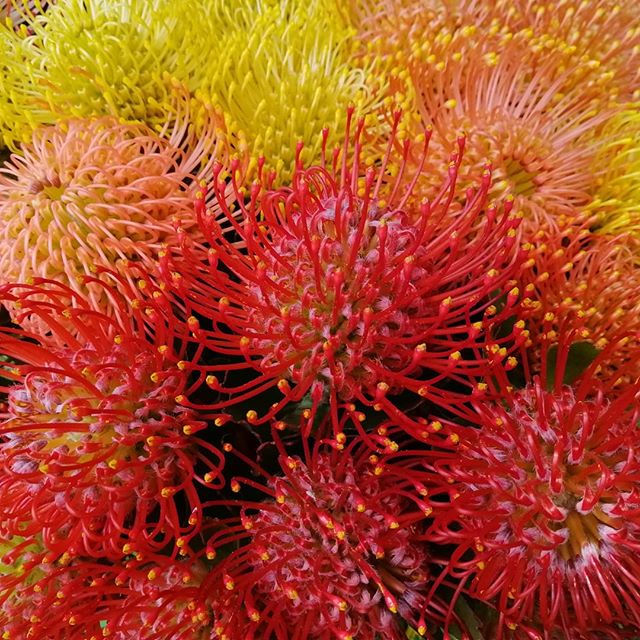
point(75, 599)
point(41, 597)
point(87, 194)
point(542, 149)
point(538, 116)
point(333, 551)
point(340, 291)
point(97, 455)
point(545, 497)
point(103, 58)
point(281, 70)
point(576, 280)
point(159, 599)
point(616, 203)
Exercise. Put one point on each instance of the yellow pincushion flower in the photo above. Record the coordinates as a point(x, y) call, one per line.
point(79, 59)
point(617, 201)
point(281, 71)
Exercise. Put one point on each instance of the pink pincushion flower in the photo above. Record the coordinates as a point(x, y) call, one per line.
point(334, 550)
point(337, 288)
point(96, 453)
point(98, 193)
point(546, 494)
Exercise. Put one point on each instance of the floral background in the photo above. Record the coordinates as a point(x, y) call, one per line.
point(319, 319)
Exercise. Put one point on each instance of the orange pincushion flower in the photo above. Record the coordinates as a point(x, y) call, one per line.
point(541, 147)
point(580, 280)
point(530, 87)
point(97, 193)
point(588, 47)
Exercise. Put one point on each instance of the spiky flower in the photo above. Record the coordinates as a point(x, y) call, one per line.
point(616, 202)
point(157, 598)
point(96, 454)
point(342, 292)
point(536, 116)
point(87, 59)
point(281, 70)
point(41, 597)
point(541, 148)
point(87, 194)
point(160, 599)
point(577, 279)
point(586, 48)
point(545, 495)
point(334, 550)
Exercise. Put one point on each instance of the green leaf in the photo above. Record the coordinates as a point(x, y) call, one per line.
point(581, 355)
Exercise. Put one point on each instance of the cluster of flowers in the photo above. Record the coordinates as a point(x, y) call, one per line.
point(320, 320)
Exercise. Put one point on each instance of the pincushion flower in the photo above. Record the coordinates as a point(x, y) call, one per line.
point(588, 48)
point(545, 494)
point(344, 294)
point(542, 149)
point(333, 551)
point(616, 203)
point(152, 599)
point(96, 455)
point(535, 116)
point(159, 599)
point(87, 194)
point(281, 71)
point(83, 59)
point(41, 597)
point(579, 280)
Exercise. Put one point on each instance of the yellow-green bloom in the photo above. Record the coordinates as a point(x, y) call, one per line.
point(617, 201)
point(78, 59)
point(281, 71)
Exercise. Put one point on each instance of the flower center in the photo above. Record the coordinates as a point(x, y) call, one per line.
point(520, 178)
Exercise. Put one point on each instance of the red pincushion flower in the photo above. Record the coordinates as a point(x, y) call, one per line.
point(334, 551)
point(155, 599)
point(546, 493)
point(334, 288)
point(159, 600)
point(44, 599)
point(96, 453)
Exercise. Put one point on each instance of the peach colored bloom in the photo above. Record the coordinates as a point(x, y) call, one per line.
point(90, 194)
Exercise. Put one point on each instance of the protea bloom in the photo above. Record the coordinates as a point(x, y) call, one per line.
point(41, 597)
point(97, 456)
point(577, 279)
point(280, 71)
point(542, 148)
point(586, 47)
point(157, 598)
point(333, 550)
point(544, 503)
point(97, 193)
point(334, 290)
point(83, 60)
point(536, 116)
point(616, 203)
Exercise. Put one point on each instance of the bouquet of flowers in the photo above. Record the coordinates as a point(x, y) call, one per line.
point(320, 319)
